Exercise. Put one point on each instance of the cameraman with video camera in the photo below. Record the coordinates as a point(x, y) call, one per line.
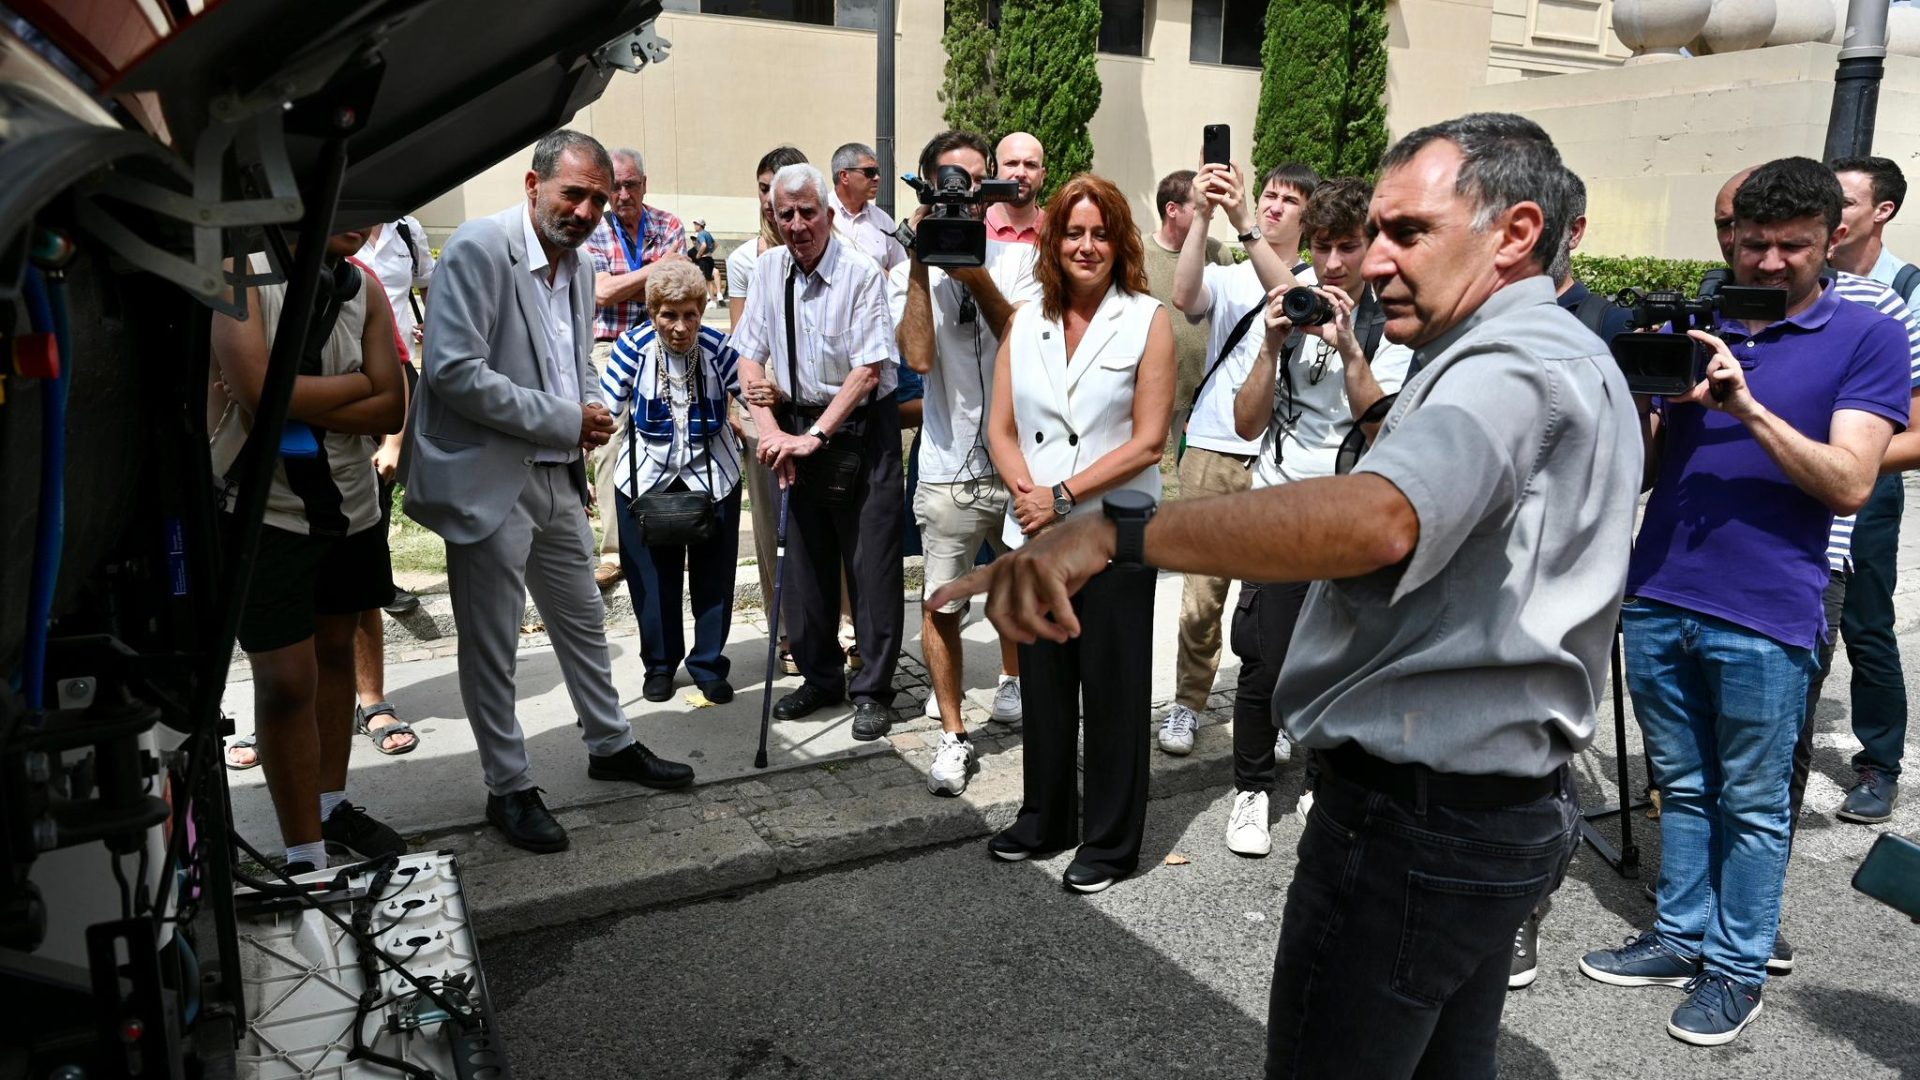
point(1723, 614)
point(949, 325)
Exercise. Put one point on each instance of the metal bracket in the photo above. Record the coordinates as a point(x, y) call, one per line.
point(633, 51)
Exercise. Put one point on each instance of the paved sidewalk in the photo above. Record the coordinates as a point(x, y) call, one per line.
point(827, 800)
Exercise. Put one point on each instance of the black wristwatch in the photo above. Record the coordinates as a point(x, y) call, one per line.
point(1251, 235)
point(1129, 511)
point(1063, 500)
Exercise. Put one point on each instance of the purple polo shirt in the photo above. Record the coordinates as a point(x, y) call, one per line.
point(1726, 533)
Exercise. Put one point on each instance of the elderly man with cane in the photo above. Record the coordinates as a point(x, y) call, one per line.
point(815, 342)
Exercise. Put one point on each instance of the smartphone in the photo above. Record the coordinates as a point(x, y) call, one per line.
point(1216, 144)
point(1891, 874)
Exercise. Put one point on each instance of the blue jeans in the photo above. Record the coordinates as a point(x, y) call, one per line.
point(654, 581)
point(1879, 685)
point(1720, 707)
point(1398, 931)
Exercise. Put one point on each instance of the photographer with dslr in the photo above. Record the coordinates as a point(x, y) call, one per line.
point(950, 323)
point(1723, 610)
point(1217, 460)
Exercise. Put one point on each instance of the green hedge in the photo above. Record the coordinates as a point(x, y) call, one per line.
point(1608, 274)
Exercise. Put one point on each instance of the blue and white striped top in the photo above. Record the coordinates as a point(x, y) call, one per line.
point(1881, 298)
point(635, 382)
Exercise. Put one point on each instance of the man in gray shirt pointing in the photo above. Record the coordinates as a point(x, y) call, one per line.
point(1448, 660)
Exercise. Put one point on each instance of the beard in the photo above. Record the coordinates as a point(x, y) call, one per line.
point(560, 229)
point(1024, 199)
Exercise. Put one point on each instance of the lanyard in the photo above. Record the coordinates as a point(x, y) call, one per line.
point(637, 245)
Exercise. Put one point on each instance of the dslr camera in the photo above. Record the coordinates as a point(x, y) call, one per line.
point(951, 235)
point(1304, 307)
point(1669, 364)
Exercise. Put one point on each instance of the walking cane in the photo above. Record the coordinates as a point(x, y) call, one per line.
point(773, 629)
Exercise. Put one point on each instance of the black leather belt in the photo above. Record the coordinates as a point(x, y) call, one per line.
point(1417, 783)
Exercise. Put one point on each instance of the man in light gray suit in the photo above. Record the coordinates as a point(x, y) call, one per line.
point(507, 404)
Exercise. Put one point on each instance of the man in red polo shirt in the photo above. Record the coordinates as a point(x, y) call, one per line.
point(1024, 161)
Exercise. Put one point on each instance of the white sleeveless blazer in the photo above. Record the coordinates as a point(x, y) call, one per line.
point(1069, 415)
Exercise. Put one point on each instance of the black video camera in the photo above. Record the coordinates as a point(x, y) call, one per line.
point(1669, 364)
point(951, 235)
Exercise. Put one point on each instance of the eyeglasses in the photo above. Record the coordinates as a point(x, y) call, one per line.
point(629, 185)
point(871, 172)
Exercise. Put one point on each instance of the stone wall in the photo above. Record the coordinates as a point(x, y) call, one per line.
point(1655, 141)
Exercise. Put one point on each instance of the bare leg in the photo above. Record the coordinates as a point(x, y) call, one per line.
point(1009, 658)
point(940, 640)
point(283, 690)
point(370, 674)
point(333, 699)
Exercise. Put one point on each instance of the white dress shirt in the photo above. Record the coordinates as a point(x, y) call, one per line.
point(871, 231)
point(842, 323)
point(387, 255)
point(556, 317)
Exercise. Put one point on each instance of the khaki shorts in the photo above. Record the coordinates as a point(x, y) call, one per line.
point(955, 519)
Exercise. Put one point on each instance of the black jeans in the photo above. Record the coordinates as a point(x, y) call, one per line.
point(1879, 685)
point(1398, 931)
point(1263, 622)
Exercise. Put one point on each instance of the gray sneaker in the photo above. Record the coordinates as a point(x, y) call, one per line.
point(1642, 961)
point(1871, 799)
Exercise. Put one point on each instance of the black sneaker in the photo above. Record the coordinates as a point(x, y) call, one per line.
point(871, 720)
point(657, 687)
point(1781, 962)
point(1526, 959)
point(352, 828)
point(402, 602)
point(805, 701)
point(1716, 1011)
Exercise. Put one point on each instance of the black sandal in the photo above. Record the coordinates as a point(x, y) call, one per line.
point(379, 735)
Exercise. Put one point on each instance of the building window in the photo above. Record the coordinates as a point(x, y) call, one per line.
point(992, 8)
point(852, 14)
point(1123, 27)
point(1228, 32)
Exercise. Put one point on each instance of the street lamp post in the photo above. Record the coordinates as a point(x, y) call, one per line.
point(1856, 85)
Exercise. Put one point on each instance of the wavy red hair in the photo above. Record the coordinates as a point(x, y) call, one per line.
point(1129, 258)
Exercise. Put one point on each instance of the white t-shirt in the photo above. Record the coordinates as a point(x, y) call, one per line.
point(953, 443)
point(740, 267)
point(387, 256)
point(1304, 435)
point(1235, 290)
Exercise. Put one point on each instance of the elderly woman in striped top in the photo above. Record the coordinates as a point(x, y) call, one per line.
point(677, 480)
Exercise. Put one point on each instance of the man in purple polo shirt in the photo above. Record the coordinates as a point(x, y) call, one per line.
point(1723, 611)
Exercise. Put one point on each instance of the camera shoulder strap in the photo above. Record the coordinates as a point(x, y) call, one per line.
point(1907, 282)
point(1592, 311)
point(413, 256)
point(1233, 340)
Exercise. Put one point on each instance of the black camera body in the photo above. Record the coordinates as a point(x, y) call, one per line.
point(951, 235)
point(1670, 364)
point(1304, 307)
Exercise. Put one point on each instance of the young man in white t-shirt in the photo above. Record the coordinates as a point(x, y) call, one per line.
point(1216, 460)
point(1309, 388)
point(949, 326)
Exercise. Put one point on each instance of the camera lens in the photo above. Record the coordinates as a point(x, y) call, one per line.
point(1306, 307)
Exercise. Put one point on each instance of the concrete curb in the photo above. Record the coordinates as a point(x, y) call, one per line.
point(618, 868)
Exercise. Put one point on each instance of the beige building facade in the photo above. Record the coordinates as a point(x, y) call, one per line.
point(735, 87)
point(1654, 140)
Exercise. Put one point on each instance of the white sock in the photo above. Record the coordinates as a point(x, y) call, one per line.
point(329, 802)
point(314, 853)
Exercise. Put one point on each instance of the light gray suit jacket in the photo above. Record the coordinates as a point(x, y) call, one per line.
point(483, 406)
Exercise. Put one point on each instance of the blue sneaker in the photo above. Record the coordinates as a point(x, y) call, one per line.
point(1642, 961)
point(1716, 1011)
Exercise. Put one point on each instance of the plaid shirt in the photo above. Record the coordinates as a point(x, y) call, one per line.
point(662, 233)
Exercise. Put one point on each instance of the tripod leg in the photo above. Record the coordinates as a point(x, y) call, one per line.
point(773, 631)
point(1629, 854)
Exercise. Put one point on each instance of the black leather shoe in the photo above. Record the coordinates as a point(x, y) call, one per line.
point(871, 720)
point(526, 822)
point(805, 701)
point(1086, 879)
point(657, 687)
point(718, 691)
point(638, 764)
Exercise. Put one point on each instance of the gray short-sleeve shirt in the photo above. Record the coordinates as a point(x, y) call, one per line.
point(1486, 651)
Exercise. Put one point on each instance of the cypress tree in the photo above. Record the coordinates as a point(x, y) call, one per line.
point(972, 101)
point(1323, 86)
point(1363, 136)
point(1049, 79)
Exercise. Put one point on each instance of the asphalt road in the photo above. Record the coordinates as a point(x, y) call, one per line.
point(946, 964)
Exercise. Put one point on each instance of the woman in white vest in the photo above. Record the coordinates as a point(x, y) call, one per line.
point(1082, 399)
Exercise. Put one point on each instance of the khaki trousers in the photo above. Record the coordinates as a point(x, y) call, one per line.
point(1202, 598)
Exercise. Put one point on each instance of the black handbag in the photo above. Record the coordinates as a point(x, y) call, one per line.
point(832, 474)
point(671, 518)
